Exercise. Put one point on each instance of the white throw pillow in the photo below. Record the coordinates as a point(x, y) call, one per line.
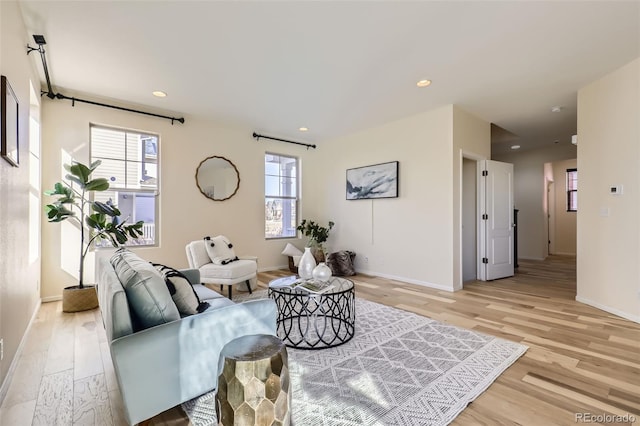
point(291, 250)
point(220, 250)
point(199, 255)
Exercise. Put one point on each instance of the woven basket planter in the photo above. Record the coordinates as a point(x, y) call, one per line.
point(76, 299)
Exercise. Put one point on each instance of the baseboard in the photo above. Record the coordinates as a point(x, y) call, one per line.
point(7, 380)
point(634, 318)
point(531, 258)
point(273, 268)
point(51, 299)
point(375, 274)
point(408, 280)
point(561, 253)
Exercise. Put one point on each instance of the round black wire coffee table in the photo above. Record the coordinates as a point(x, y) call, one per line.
point(314, 321)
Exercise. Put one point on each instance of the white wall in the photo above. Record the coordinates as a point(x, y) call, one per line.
point(564, 221)
point(608, 225)
point(411, 237)
point(185, 214)
point(530, 195)
point(19, 275)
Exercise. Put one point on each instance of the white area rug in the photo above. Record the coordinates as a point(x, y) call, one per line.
point(399, 369)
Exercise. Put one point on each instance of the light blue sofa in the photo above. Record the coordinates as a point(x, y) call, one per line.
point(161, 366)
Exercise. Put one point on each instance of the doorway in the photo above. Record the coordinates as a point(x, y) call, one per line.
point(469, 220)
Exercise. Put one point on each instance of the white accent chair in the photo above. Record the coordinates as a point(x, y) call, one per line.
point(242, 272)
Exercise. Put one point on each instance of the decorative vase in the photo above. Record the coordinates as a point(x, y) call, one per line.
point(306, 264)
point(321, 272)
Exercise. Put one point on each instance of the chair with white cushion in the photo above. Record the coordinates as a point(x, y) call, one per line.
point(242, 271)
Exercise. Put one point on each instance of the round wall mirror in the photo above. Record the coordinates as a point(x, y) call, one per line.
point(217, 178)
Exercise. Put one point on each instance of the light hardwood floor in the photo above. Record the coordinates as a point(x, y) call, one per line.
point(580, 359)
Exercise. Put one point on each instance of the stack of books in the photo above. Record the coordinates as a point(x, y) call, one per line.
point(310, 286)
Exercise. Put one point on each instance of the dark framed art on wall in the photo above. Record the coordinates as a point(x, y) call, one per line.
point(9, 148)
point(375, 181)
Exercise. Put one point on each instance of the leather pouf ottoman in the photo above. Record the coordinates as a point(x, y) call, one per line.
point(253, 386)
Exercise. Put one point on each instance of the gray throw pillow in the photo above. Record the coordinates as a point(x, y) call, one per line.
point(182, 293)
point(341, 263)
point(147, 294)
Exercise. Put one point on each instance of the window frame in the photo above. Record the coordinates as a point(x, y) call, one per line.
point(281, 197)
point(155, 193)
point(570, 205)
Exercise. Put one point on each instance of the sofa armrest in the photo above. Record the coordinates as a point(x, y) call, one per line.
point(163, 366)
point(192, 274)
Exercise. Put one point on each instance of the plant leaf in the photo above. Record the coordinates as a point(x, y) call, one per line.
point(105, 208)
point(81, 171)
point(99, 184)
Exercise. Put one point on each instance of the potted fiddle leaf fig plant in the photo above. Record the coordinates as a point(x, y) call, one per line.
point(97, 220)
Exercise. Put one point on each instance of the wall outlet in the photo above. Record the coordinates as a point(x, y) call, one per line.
point(1, 349)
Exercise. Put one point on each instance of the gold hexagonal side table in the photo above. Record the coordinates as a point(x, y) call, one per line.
point(253, 386)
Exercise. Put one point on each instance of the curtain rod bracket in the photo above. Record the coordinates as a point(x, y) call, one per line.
point(258, 136)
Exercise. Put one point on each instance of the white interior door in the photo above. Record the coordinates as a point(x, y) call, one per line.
point(496, 222)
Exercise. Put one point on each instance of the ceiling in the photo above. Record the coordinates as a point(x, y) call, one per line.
point(337, 67)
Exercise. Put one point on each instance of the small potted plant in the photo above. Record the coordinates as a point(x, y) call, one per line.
point(97, 220)
point(317, 236)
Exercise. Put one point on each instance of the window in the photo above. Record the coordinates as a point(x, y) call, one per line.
point(280, 196)
point(572, 190)
point(130, 164)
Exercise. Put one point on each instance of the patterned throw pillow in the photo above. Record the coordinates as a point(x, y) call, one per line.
point(341, 263)
point(182, 293)
point(220, 250)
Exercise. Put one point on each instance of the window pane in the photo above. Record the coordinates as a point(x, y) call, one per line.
point(134, 147)
point(112, 170)
point(133, 206)
point(272, 186)
point(288, 186)
point(280, 217)
point(573, 200)
point(107, 143)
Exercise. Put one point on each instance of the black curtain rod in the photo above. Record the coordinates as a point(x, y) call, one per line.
point(40, 41)
point(257, 136)
point(74, 100)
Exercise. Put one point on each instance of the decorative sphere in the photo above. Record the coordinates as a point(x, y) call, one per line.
point(321, 272)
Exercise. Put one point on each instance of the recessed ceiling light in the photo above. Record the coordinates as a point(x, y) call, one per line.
point(159, 94)
point(556, 109)
point(515, 146)
point(303, 129)
point(423, 83)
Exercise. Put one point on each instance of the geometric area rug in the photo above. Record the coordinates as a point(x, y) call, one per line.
point(400, 368)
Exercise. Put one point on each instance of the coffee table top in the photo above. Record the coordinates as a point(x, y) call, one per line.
point(284, 285)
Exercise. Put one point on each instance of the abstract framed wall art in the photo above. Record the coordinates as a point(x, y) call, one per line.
point(8, 123)
point(375, 181)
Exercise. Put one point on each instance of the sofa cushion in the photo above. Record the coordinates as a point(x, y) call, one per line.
point(206, 294)
point(220, 250)
point(146, 290)
point(182, 293)
point(232, 270)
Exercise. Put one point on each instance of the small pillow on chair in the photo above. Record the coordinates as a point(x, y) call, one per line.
point(220, 250)
point(182, 293)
